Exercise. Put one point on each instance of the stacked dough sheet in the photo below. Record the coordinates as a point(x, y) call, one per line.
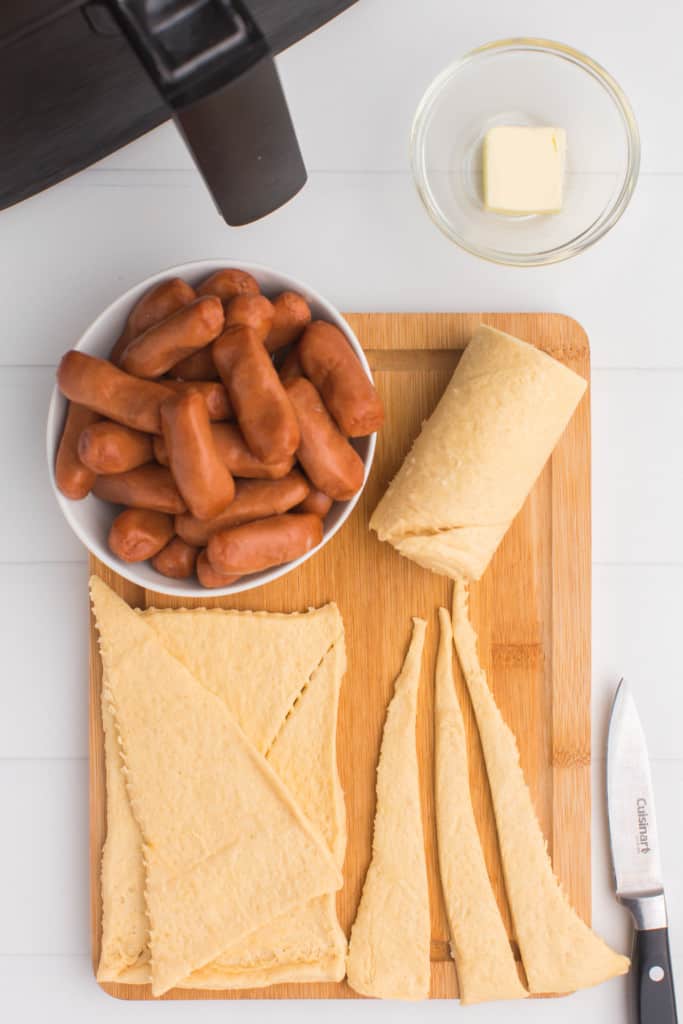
point(226, 827)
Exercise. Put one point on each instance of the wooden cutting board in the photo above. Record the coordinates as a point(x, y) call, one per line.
point(531, 611)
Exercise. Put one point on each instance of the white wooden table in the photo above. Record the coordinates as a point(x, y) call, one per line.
point(358, 234)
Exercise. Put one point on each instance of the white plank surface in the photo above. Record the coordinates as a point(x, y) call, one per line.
point(68, 993)
point(31, 527)
point(353, 86)
point(636, 632)
point(361, 238)
point(357, 233)
point(44, 610)
point(45, 906)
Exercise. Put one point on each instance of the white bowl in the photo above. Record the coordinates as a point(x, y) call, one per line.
point(91, 518)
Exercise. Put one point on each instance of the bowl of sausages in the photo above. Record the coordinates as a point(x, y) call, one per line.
point(212, 429)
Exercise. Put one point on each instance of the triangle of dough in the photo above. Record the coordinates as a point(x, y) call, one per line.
point(480, 945)
point(125, 948)
point(389, 950)
point(559, 951)
point(308, 944)
point(312, 947)
point(225, 847)
point(256, 662)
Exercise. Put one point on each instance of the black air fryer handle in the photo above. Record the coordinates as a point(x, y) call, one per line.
point(243, 142)
point(656, 1001)
point(72, 89)
point(213, 67)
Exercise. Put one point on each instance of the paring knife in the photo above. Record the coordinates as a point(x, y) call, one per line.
point(635, 856)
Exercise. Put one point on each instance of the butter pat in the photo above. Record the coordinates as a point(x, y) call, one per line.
point(523, 169)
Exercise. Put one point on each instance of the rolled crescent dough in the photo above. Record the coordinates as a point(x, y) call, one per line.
point(478, 455)
point(559, 951)
point(389, 950)
point(480, 945)
point(226, 849)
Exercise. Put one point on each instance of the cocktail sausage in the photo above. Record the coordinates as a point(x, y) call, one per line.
point(109, 391)
point(177, 560)
point(262, 408)
point(202, 477)
point(254, 499)
point(137, 534)
point(151, 487)
point(180, 335)
point(263, 544)
point(328, 459)
point(108, 447)
point(331, 364)
point(291, 315)
point(73, 477)
point(155, 305)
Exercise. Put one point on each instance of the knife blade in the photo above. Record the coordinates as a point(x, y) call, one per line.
point(636, 859)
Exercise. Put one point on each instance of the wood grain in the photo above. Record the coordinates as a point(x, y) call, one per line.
point(531, 610)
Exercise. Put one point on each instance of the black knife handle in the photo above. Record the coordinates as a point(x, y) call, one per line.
point(653, 977)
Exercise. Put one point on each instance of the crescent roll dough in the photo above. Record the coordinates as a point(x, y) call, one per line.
point(389, 947)
point(285, 700)
point(479, 943)
point(559, 951)
point(226, 849)
point(478, 455)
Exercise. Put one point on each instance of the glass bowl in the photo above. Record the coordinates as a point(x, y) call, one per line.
point(525, 82)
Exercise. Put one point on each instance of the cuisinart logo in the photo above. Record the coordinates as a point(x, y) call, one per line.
point(643, 825)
